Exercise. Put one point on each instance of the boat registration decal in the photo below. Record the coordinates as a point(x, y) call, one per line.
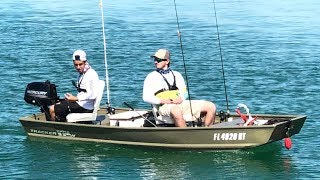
point(53, 133)
point(229, 136)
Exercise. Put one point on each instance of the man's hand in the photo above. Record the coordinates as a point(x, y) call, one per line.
point(165, 101)
point(177, 100)
point(70, 97)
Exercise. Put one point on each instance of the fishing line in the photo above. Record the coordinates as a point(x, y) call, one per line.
point(182, 53)
point(220, 51)
point(105, 55)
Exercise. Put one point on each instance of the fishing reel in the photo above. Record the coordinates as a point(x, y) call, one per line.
point(110, 110)
point(223, 115)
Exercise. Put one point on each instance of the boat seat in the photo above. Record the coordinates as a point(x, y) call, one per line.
point(128, 115)
point(80, 117)
point(167, 119)
point(128, 119)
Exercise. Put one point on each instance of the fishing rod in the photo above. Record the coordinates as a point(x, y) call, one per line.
point(129, 106)
point(220, 51)
point(183, 60)
point(105, 57)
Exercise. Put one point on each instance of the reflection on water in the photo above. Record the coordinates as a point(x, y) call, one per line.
point(81, 159)
point(86, 165)
point(264, 162)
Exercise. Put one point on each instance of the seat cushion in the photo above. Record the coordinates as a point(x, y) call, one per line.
point(127, 115)
point(75, 117)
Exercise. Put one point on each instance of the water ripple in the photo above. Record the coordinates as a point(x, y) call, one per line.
point(269, 50)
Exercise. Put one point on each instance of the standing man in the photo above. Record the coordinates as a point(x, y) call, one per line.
point(166, 89)
point(87, 82)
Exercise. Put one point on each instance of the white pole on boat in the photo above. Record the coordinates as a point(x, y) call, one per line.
point(105, 54)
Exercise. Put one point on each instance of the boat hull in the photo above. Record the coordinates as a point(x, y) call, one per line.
point(214, 137)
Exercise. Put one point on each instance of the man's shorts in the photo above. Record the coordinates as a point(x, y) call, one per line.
point(65, 107)
point(197, 105)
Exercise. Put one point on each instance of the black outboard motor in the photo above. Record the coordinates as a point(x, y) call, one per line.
point(42, 94)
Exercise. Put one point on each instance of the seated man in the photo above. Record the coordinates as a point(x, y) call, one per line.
point(84, 101)
point(166, 88)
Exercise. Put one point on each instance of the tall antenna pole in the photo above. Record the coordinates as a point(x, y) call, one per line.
point(105, 54)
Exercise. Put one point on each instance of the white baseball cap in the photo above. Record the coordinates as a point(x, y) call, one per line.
point(79, 55)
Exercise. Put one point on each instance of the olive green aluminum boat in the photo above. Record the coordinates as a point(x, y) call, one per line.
point(222, 135)
point(143, 129)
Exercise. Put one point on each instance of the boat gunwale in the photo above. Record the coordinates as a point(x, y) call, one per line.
point(293, 118)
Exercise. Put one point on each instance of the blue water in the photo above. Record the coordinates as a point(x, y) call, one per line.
point(270, 51)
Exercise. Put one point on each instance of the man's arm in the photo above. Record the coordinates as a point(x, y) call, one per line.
point(148, 90)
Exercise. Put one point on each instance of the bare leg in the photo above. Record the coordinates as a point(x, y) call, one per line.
point(210, 110)
point(177, 115)
point(52, 114)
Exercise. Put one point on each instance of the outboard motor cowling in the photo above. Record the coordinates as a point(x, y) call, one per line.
point(41, 94)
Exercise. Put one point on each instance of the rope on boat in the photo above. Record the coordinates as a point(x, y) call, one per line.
point(218, 36)
point(105, 54)
point(183, 60)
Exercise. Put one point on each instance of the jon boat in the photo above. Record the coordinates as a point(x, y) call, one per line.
point(224, 135)
point(143, 127)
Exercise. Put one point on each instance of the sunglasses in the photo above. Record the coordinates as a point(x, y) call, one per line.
point(159, 60)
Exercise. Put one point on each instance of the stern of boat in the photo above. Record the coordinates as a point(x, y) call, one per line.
point(287, 128)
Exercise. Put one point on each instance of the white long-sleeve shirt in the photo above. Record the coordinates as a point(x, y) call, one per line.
point(155, 82)
point(88, 81)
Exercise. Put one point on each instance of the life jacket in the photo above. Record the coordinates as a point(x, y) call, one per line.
point(171, 93)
